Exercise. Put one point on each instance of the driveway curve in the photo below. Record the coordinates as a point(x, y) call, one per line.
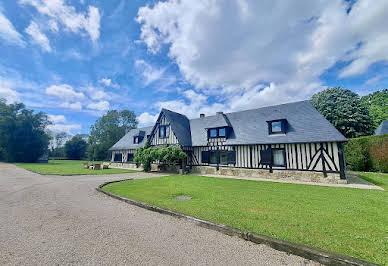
point(64, 220)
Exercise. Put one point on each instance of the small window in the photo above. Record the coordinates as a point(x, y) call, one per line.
point(277, 126)
point(224, 157)
point(163, 132)
point(136, 140)
point(222, 132)
point(130, 157)
point(217, 132)
point(213, 158)
point(213, 133)
point(278, 157)
point(118, 157)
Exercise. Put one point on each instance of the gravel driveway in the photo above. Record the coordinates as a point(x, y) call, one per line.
point(64, 220)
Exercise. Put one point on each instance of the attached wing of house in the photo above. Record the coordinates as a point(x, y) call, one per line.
point(281, 138)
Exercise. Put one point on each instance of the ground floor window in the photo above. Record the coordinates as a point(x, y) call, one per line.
point(118, 157)
point(219, 157)
point(278, 157)
point(130, 157)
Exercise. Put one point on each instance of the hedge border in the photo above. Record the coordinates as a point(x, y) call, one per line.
point(306, 252)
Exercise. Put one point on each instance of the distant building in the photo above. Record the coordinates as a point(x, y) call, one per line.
point(383, 128)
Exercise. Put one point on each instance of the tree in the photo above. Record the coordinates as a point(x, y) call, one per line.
point(168, 155)
point(75, 148)
point(377, 103)
point(23, 137)
point(107, 130)
point(343, 108)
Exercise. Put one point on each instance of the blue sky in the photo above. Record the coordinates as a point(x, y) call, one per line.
point(77, 59)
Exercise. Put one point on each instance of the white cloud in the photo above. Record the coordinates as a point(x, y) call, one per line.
point(38, 37)
point(100, 106)
point(64, 91)
point(7, 92)
point(108, 83)
point(258, 53)
point(76, 106)
point(8, 32)
point(146, 119)
point(149, 73)
point(68, 128)
point(57, 118)
point(67, 16)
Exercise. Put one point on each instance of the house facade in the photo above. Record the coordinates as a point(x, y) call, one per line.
point(291, 141)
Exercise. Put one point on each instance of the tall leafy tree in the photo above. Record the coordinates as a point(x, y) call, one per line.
point(343, 108)
point(377, 103)
point(75, 148)
point(107, 130)
point(22, 133)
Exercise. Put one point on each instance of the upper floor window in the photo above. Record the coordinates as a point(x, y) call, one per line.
point(136, 140)
point(217, 132)
point(277, 126)
point(164, 131)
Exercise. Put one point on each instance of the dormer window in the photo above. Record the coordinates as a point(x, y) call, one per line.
point(136, 140)
point(164, 132)
point(217, 132)
point(277, 126)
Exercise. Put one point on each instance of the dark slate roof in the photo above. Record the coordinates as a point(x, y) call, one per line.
point(305, 124)
point(126, 142)
point(180, 125)
point(383, 128)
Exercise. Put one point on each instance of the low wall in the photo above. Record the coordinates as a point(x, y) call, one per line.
point(125, 166)
point(305, 176)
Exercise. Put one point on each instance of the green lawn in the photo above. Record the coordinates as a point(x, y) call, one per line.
point(378, 179)
point(348, 221)
point(68, 167)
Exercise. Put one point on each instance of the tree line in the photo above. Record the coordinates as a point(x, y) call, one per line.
point(24, 136)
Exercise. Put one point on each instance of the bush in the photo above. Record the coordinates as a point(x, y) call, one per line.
point(169, 155)
point(367, 154)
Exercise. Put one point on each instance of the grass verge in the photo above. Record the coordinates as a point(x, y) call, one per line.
point(379, 179)
point(68, 167)
point(347, 221)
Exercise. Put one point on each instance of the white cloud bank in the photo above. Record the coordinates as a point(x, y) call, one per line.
point(99, 106)
point(38, 37)
point(64, 91)
point(252, 53)
point(7, 92)
point(65, 15)
point(8, 32)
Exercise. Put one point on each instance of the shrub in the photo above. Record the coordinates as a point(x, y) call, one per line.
point(169, 155)
point(367, 153)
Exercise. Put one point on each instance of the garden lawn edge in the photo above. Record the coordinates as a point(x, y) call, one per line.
point(314, 254)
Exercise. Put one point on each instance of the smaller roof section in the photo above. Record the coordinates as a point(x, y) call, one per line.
point(180, 125)
point(126, 142)
point(383, 128)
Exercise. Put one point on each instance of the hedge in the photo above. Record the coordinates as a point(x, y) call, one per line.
point(367, 154)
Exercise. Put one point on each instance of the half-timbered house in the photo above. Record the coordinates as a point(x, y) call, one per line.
point(284, 141)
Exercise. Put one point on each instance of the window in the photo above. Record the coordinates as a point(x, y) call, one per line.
point(277, 126)
point(136, 140)
point(224, 157)
point(219, 157)
point(222, 132)
point(164, 132)
point(217, 132)
point(278, 157)
point(213, 157)
point(118, 157)
point(130, 157)
point(213, 133)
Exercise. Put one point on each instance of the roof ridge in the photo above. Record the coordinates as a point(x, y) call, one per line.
point(253, 109)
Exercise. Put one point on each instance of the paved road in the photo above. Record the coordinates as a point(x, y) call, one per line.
point(64, 220)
